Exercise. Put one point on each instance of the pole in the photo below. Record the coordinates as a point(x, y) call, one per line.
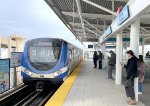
point(134, 44)
point(119, 60)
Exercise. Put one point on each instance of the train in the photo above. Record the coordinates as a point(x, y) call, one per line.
point(49, 60)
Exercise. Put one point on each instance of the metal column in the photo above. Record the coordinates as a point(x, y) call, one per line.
point(134, 45)
point(103, 49)
point(143, 42)
point(119, 59)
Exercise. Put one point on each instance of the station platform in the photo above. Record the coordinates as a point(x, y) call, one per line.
point(90, 88)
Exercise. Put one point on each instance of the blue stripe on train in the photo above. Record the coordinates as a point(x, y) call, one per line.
point(63, 75)
point(24, 75)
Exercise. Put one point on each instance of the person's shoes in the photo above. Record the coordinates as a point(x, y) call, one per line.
point(139, 93)
point(128, 99)
point(132, 102)
point(109, 78)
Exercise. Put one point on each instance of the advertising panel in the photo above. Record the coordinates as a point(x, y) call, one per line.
point(16, 59)
point(108, 31)
point(4, 75)
point(123, 15)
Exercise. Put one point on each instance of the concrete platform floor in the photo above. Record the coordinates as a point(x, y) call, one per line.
point(91, 88)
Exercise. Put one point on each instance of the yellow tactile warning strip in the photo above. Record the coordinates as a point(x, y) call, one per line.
point(59, 96)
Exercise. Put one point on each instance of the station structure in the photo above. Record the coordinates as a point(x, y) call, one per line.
point(110, 24)
point(116, 21)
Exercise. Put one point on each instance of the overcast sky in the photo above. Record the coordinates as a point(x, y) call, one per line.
point(33, 19)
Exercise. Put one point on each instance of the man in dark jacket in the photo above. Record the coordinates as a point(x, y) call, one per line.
point(131, 71)
point(100, 58)
point(111, 64)
point(95, 58)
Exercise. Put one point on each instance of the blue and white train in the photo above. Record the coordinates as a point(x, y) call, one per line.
point(49, 60)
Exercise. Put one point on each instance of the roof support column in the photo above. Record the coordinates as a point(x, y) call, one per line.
point(80, 14)
point(92, 31)
point(143, 42)
point(91, 25)
point(103, 49)
point(100, 7)
point(119, 42)
point(134, 45)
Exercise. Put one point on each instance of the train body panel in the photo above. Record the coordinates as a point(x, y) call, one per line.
point(49, 60)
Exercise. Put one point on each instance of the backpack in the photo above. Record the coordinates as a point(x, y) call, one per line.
point(138, 68)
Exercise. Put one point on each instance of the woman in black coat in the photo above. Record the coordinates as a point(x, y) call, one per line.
point(131, 71)
point(95, 58)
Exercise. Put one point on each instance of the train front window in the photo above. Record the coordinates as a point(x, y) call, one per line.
point(44, 57)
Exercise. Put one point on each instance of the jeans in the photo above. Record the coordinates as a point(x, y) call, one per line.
point(129, 88)
point(140, 87)
point(110, 68)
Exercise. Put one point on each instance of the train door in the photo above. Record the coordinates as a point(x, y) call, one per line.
point(70, 60)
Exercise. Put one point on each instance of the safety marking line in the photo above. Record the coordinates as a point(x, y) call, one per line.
point(59, 96)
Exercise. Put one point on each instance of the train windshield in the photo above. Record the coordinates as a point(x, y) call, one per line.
point(44, 55)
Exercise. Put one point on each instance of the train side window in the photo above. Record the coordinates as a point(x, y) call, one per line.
point(69, 57)
point(70, 53)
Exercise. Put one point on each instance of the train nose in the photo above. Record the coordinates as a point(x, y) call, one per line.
point(39, 86)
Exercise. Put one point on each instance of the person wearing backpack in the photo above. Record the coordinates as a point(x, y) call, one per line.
point(111, 63)
point(131, 73)
point(141, 74)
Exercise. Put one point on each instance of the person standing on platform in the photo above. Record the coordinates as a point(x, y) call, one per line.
point(141, 74)
point(111, 63)
point(95, 58)
point(148, 55)
point(131, 72)
point(100, 58)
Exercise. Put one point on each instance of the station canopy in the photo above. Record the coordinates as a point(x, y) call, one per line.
point(88, 19)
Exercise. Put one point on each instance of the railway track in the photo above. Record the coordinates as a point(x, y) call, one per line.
point(28, 96)
point(16, 96)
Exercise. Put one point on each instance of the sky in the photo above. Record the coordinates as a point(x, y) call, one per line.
point(32, 19)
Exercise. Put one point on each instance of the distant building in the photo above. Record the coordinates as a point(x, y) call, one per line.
point(8, 44)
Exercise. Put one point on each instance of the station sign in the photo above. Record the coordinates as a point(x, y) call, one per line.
point(4, 75)
point(16, 58)
point(123, 15)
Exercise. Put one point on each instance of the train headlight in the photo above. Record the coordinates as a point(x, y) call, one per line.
point(57, 73)
point(28, 72)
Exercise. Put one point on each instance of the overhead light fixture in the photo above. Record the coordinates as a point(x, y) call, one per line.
point(68, 26)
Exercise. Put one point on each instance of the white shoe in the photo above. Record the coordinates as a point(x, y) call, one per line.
point(139, 93)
